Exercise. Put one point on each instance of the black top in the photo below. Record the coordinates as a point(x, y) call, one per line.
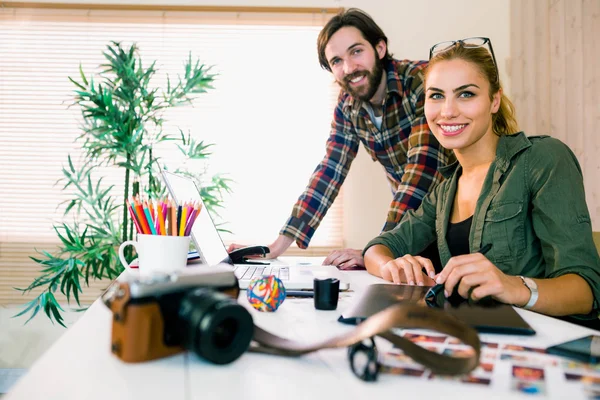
point(458, 237)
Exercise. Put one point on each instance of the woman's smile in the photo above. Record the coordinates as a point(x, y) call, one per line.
point(452, 129)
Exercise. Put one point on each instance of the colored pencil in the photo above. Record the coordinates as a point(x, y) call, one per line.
point(140, 213)
point(173, 219)
point(178, 221)
point(190, 222)
point(169, 216)
point(134, 218)
point(149, 218)
point(155, 217)
point(182, 220)
point(161, 221)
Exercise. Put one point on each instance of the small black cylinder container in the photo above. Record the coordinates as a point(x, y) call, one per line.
point(214, 326)
point(327, 292)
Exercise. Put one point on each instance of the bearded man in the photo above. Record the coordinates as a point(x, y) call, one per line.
point(381, 105)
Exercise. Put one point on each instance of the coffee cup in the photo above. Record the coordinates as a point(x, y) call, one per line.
point(157, 253)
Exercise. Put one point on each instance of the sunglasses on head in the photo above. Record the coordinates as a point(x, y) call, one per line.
point(468, 43)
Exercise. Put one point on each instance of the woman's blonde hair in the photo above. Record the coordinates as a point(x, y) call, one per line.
point(504, 121)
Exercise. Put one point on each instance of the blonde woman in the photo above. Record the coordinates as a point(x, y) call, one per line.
point(523, 196)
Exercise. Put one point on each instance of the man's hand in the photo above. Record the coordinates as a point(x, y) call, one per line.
point(345, 259)
point(275, 249)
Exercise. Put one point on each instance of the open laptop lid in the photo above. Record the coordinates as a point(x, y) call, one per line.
point(500, 318)
point(212, 251)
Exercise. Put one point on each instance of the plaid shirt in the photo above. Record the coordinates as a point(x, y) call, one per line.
point(405, 147)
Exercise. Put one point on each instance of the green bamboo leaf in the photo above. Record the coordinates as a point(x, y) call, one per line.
point(71, 163)
point(83, 79)
point(71, 205)
point(35, 311)
point(61, 237)
point(69, 234)
point(77, 84)
point(76, 291)
point(28, 306)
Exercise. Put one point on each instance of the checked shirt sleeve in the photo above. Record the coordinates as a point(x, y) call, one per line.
point(425, 155)
point(325, 182)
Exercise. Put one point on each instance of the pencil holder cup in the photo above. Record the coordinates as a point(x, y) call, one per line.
point(157, 253)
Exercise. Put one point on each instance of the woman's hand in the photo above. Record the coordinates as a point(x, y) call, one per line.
point(477, 278)
point(409, 269)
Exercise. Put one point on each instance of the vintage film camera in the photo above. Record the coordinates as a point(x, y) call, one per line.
point(195, 309)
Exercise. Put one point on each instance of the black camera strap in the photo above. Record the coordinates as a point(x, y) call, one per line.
point(380, 324)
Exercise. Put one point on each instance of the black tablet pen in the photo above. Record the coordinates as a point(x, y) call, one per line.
point(485, 248)
point(299, 293)
point(432, 292)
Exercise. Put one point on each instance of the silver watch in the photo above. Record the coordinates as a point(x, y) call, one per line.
point(532, 286)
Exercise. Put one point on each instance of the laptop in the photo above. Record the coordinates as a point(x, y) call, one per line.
point(496, 318)
point(212, 250)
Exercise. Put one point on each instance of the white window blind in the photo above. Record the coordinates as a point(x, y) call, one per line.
point(269, 115)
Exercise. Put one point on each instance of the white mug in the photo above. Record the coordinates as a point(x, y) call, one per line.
point(157, 253)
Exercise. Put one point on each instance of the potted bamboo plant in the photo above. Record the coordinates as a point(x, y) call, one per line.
point(123, 117)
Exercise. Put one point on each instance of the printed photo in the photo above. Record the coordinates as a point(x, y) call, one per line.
point(486, 367)
point(528, 373)
point(465, 379)
point(529, 387)
point(402, 371)
point(568, 364)
point(431, 347)
point(592, 393)
point(488, 353)
point(453, 340)
point(585, 379)
point(515, 357)
point(459, 352)
point(476, 379)
point(445, 377)
point(398, 360)
point(515, 347)
point(489, 345)
point(531, 358)
point(392, 355)
point(417, 338)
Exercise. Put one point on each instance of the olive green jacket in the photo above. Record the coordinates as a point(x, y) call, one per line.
point(531, 209)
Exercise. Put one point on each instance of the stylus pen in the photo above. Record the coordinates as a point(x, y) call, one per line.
point(299, 293)
point(485, 249)
point(432, 293)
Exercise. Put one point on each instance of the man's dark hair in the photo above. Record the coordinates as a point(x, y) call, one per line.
point(357, 19)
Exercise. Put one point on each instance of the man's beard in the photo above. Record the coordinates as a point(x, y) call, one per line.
point(373, 80)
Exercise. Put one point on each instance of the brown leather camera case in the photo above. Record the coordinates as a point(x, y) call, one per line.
point(138, 329)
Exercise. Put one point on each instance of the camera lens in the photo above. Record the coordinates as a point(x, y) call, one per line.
point(214, 326)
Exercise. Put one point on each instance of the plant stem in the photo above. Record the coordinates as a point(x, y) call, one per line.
point(126, 196)
point(150, 179)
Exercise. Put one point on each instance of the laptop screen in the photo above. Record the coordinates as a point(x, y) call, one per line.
point(205, 236)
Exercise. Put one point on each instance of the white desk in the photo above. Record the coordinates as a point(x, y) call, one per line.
point(80, 366)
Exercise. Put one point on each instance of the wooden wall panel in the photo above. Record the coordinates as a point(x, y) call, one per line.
point(555, 79)
point(574, 77)
point(591, 103)
point(541, 68)
point(528, 109)
point(516, 57)
point(558, 92)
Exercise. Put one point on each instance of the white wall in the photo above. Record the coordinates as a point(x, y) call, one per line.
point(412, 27)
